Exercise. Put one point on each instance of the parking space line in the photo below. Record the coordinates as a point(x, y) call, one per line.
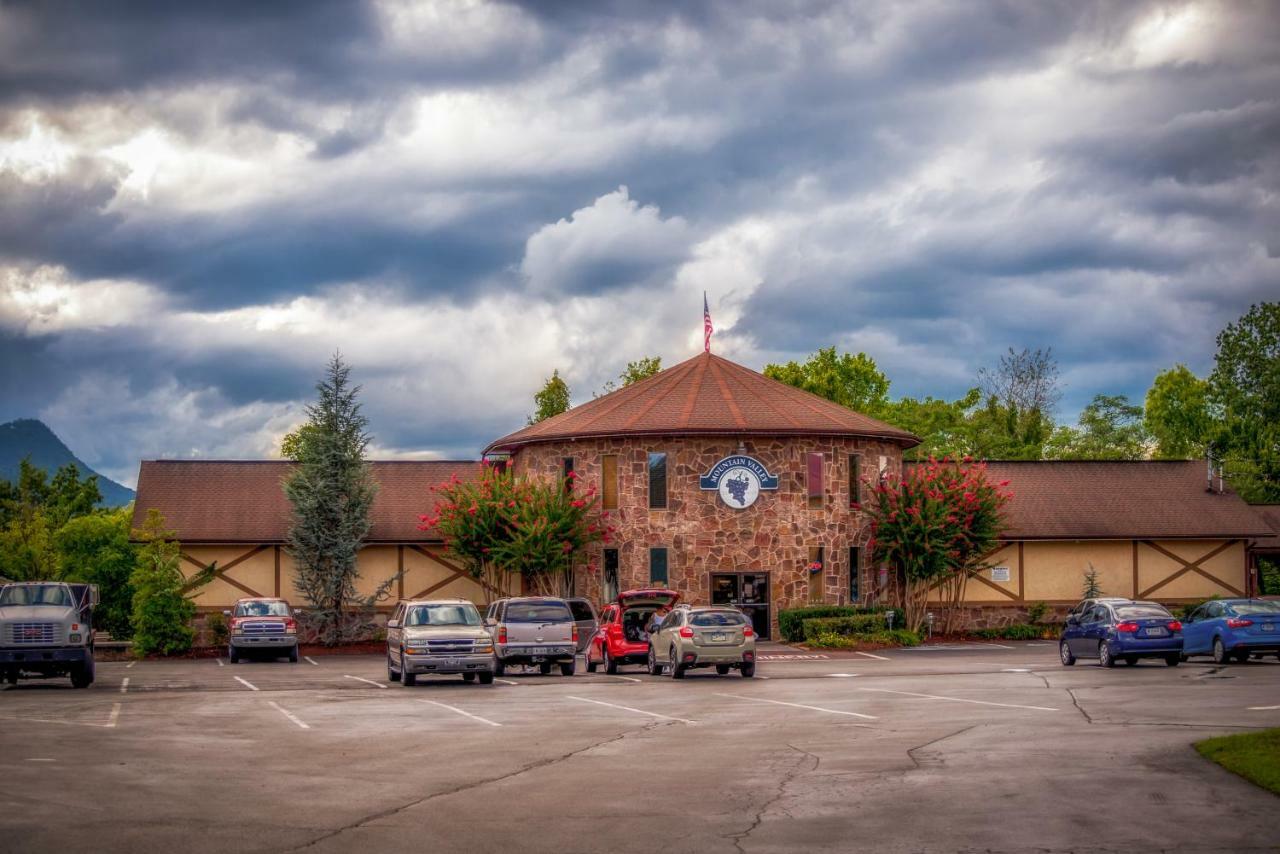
point(288, 714)
point(801, 706)
point(1263, 708)
point(312, 660)
point(130, 664)
point(613, 676)
point(630, 709)
point(124, 685)
point(115, 716)
point(505, 681)
point(869, 655)
point(221, 663)
point(246, 683)
point(461, 712)
point(362, 679)
point(960, 700)
point(842, 675)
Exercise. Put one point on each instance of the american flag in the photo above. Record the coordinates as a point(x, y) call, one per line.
point(707, 329)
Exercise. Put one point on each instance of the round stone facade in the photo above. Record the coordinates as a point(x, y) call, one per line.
point(703, 535)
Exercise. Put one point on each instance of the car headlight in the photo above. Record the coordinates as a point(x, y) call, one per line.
point(415, 650)
point(75, 637)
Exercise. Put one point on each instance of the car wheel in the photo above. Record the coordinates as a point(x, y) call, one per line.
point(1065, 652)
point(655, 669)
point(545, 668)
point(468, 677)
point(568, 668)
point(1243, 656)
point(722, 669)
point(1131, 660)
point(82, 676)
point(499, 669)
point(591, 665)
point(409, 679)
point(293, 655)
point(610, 666)
point(1105, 658)
point(1219, 652)
point(233, 655)
point(11, 676)
point(486, 678)
point(1173, 660)
point(748, 669)
point(677, 669)
point(392, 674)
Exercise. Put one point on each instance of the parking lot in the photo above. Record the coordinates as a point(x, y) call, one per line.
point(970, 747)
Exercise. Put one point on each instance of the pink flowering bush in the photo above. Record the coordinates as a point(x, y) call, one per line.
point(935, 527)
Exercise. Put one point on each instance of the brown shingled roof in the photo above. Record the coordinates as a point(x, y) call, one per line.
point(1270, 516)
point(706, 395)
point(216, 501)
point(1145, 499)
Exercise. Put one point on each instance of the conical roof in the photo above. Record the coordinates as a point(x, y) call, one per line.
point(707, 396)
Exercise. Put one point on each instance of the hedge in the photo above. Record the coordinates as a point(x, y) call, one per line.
point(896, 637)
point(1018, 631)
point(861, 624)
point(791, 620)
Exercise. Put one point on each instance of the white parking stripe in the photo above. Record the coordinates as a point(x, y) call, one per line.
point(246, 683)
point(842, 675)
point(1015, 670)
point(461, 712)
point(959, 700)
point(869, 655)
point(505, 681)
point(1263, 708)
point(801, 706)
point(288, 714)
point(221, 663)
point(362, 679)
point(130, 664)
point(312, 660)
point(630, 709)
point(115, 716)
point(628, 678)
point(124, 685)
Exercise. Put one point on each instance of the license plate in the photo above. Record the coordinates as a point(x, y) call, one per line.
point(717, 636)
point(1268, 627)
point(452, 662)
point(1156, 633)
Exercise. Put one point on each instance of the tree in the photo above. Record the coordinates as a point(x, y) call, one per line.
point(935, 527)
point(849, 380)
point(1244, 391)
point(161, 612)
point(293, 445)
point(35, 507)
point(1092, 589)
point(331, 490)
point(551, 400)
point(1177, 414)
point(1110, 428)
point(1023, 381)
point(95, 549)
point(942, 425)
point(641, 369)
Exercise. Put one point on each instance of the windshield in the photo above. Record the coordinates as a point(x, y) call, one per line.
point(35, 594)
point(1139, 611)
point(262, 609)
point(538, 612)
point(717, 618)
point(1261, 608)
point(443, 615)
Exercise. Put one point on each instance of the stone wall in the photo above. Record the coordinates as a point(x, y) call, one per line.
point(703, 535)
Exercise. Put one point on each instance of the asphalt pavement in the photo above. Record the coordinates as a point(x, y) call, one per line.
point(972, 747)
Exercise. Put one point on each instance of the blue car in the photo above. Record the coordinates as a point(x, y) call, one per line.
point(1233, 628)
point(1126, 631)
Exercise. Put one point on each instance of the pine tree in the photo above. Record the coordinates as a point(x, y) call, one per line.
point(161, 611)
point(1092, 590)
point(331, 490)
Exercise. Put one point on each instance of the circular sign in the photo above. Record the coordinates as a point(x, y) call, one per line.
point(739, 487)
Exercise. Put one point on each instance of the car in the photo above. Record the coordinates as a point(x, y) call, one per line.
point(703, 636)
point(622, 638)
point(438, 637)
point(261, 625)
point(584, 614)
point(1122, 631)
point(1085, 604)
point(1232, 628)
point(533, 630)
point(46, 630)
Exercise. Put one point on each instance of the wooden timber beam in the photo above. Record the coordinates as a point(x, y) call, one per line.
point(1192, 566)
point(220, 572)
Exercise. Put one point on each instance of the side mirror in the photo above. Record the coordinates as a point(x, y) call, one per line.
point(393, 624)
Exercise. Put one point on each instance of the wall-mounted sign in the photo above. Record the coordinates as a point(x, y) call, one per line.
point(999, 573)
point(739, 480)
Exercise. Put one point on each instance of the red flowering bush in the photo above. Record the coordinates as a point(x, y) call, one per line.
point(935, 527)
point(500, 524)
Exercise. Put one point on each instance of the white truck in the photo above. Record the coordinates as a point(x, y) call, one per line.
point(46, 630)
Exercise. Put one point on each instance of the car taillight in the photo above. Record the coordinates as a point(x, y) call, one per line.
point(291, 625)
point(502, 634)
point(1126, 627)
point(1175, 626)
point(686, 632)
point(748, 632)
point(1237, 623)
point(575, 633)
point(615, 630)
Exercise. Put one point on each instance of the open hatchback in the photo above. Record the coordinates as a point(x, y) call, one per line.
point(622, 638)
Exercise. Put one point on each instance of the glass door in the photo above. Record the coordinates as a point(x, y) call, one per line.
point(748, 591)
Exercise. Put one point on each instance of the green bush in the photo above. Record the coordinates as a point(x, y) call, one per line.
point(791, 620)
point(862, 624)
point(896, 637)
point(1018, 631)
point(217, 625)
point(1036, 612)
point(161, 613)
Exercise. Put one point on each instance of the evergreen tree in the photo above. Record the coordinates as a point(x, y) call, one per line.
point(331, 490)
point(1092, 590)
point(551, 400)
point(161, 611)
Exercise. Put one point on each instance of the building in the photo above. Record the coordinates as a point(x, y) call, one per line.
point(734, 488)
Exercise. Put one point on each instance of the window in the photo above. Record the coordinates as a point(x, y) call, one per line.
point(717, 618)
point(443, 615)
point(657, 481)
point(813, 466)
point(581, 609)
point(855, 479)
point(538, 612)
point(855, 572)
point(1131, 612)
point(262, 609)
point(609, 482)
point(568, 474)
point(817, 554)
point(657, 566)
point(610, 574)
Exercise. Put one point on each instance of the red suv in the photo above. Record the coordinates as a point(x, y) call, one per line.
point(622, 638)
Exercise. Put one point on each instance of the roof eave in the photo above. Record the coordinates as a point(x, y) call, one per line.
point(508, 445)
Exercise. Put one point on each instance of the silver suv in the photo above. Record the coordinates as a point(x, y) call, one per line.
point(438, 636)
point(537, 630)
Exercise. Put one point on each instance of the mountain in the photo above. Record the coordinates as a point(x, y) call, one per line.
point(27, 437)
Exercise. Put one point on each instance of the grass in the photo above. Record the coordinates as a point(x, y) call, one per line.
point(1254, 756)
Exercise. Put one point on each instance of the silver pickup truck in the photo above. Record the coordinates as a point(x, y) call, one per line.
point(534, 630)
point(46, 629)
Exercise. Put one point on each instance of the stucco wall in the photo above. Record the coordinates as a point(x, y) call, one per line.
point(703, 535)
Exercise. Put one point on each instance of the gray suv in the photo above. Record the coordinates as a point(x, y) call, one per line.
point(537, 630)
point(438, 637)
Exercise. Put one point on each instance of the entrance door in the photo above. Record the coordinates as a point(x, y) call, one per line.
point(748, 591)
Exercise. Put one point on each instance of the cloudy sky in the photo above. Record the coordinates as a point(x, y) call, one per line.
point(200, 202)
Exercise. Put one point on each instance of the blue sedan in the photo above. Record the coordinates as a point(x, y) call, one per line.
point(1233, 628)
point(1114, 631)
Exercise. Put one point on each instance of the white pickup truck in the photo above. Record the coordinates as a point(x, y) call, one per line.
point(46, 629)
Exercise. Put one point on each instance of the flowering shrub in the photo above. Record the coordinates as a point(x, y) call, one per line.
point(499, 524)
point(935, 527)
